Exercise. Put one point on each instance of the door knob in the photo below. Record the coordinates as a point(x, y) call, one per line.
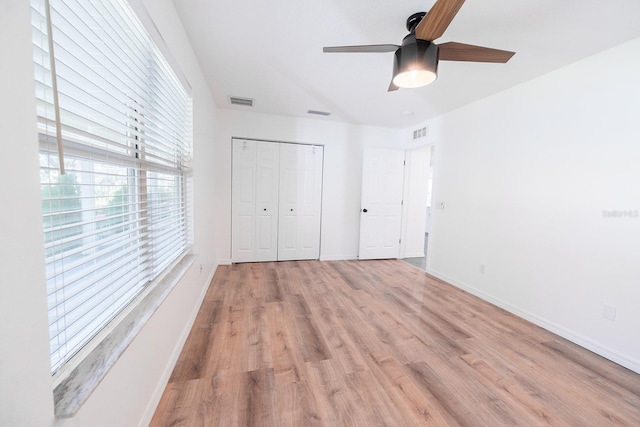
point(364, 210)
point(265, 209)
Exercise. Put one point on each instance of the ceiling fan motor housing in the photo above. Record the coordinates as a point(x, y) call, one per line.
point(415, 63)
point(414, 20)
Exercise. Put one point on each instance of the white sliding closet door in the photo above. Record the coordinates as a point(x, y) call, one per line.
point(255, 201)
point(300, 202)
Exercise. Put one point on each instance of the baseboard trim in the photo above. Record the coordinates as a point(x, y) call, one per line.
point(576, 338)
point(414, 255)
point(154, 400)
point(338, 257)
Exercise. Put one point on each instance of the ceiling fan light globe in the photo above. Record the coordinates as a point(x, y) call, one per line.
point(414, 78)
point(415, 63)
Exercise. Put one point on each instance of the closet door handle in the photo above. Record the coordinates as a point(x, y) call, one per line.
point(364, 210)
point(265, 209)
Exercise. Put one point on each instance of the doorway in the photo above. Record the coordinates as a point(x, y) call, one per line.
point(420, 179)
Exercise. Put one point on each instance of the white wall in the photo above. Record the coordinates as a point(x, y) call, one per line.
point(525, 176)
point(25, 382)
point(128, 394)
point(342, 170)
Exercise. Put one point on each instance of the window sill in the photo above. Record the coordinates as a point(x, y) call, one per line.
point(78, 385)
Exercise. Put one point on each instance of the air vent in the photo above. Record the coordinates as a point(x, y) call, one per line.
point(245, 102)
point(420, 133)
point(319, 113)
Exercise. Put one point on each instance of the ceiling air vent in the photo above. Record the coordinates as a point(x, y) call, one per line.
point(245, 102)
point(319, 113)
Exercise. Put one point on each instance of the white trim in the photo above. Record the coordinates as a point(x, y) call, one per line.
point(338, 257)
point(414, 255)
point(154, 400)
point(621, 359)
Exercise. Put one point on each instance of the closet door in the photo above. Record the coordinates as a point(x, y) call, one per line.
point(300, 202)
point(267, 177)
point(254, 201)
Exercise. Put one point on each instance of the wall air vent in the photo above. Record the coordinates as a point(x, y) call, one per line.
point(319, 113)
point(245, 102)
point(420, 133)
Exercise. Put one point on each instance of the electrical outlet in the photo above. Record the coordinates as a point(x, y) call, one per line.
point(609, 312)
point(481, 269)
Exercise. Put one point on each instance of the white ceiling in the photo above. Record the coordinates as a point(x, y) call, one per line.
point(271, 51)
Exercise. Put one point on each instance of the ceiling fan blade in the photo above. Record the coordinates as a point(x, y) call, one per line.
point(434, 24)
point(453, 51)
point(367, 48)
point(392, 87)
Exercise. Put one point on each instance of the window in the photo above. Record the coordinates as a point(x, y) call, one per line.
point(115, 131)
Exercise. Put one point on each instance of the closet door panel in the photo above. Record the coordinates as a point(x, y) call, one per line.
point(309, 237)
point(264, 236)
point(267, 193)
point(243, 207)
point(288, 238)
point(300, 199)
point(245, 233)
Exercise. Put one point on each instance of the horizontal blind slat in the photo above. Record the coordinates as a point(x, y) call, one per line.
point(118, 217)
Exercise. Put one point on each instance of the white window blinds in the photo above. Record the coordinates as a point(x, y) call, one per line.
point(115, 204)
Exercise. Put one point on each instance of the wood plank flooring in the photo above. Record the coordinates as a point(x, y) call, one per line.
point(379, 343)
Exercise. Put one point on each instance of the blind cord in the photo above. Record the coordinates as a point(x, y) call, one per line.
point(54, 87)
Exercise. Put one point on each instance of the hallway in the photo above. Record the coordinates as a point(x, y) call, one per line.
point(420, 262)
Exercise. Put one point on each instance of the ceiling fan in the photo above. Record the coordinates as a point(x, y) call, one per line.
point(416, 60)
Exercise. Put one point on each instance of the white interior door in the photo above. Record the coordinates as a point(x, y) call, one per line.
point(381, 205)
point(243, 207)
point(254, 201)
point(267, 189)
point(300, 202)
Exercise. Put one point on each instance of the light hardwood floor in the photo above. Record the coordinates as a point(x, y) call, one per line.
point(372, 343)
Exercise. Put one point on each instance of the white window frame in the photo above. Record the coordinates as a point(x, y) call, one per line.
point(142, 155)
